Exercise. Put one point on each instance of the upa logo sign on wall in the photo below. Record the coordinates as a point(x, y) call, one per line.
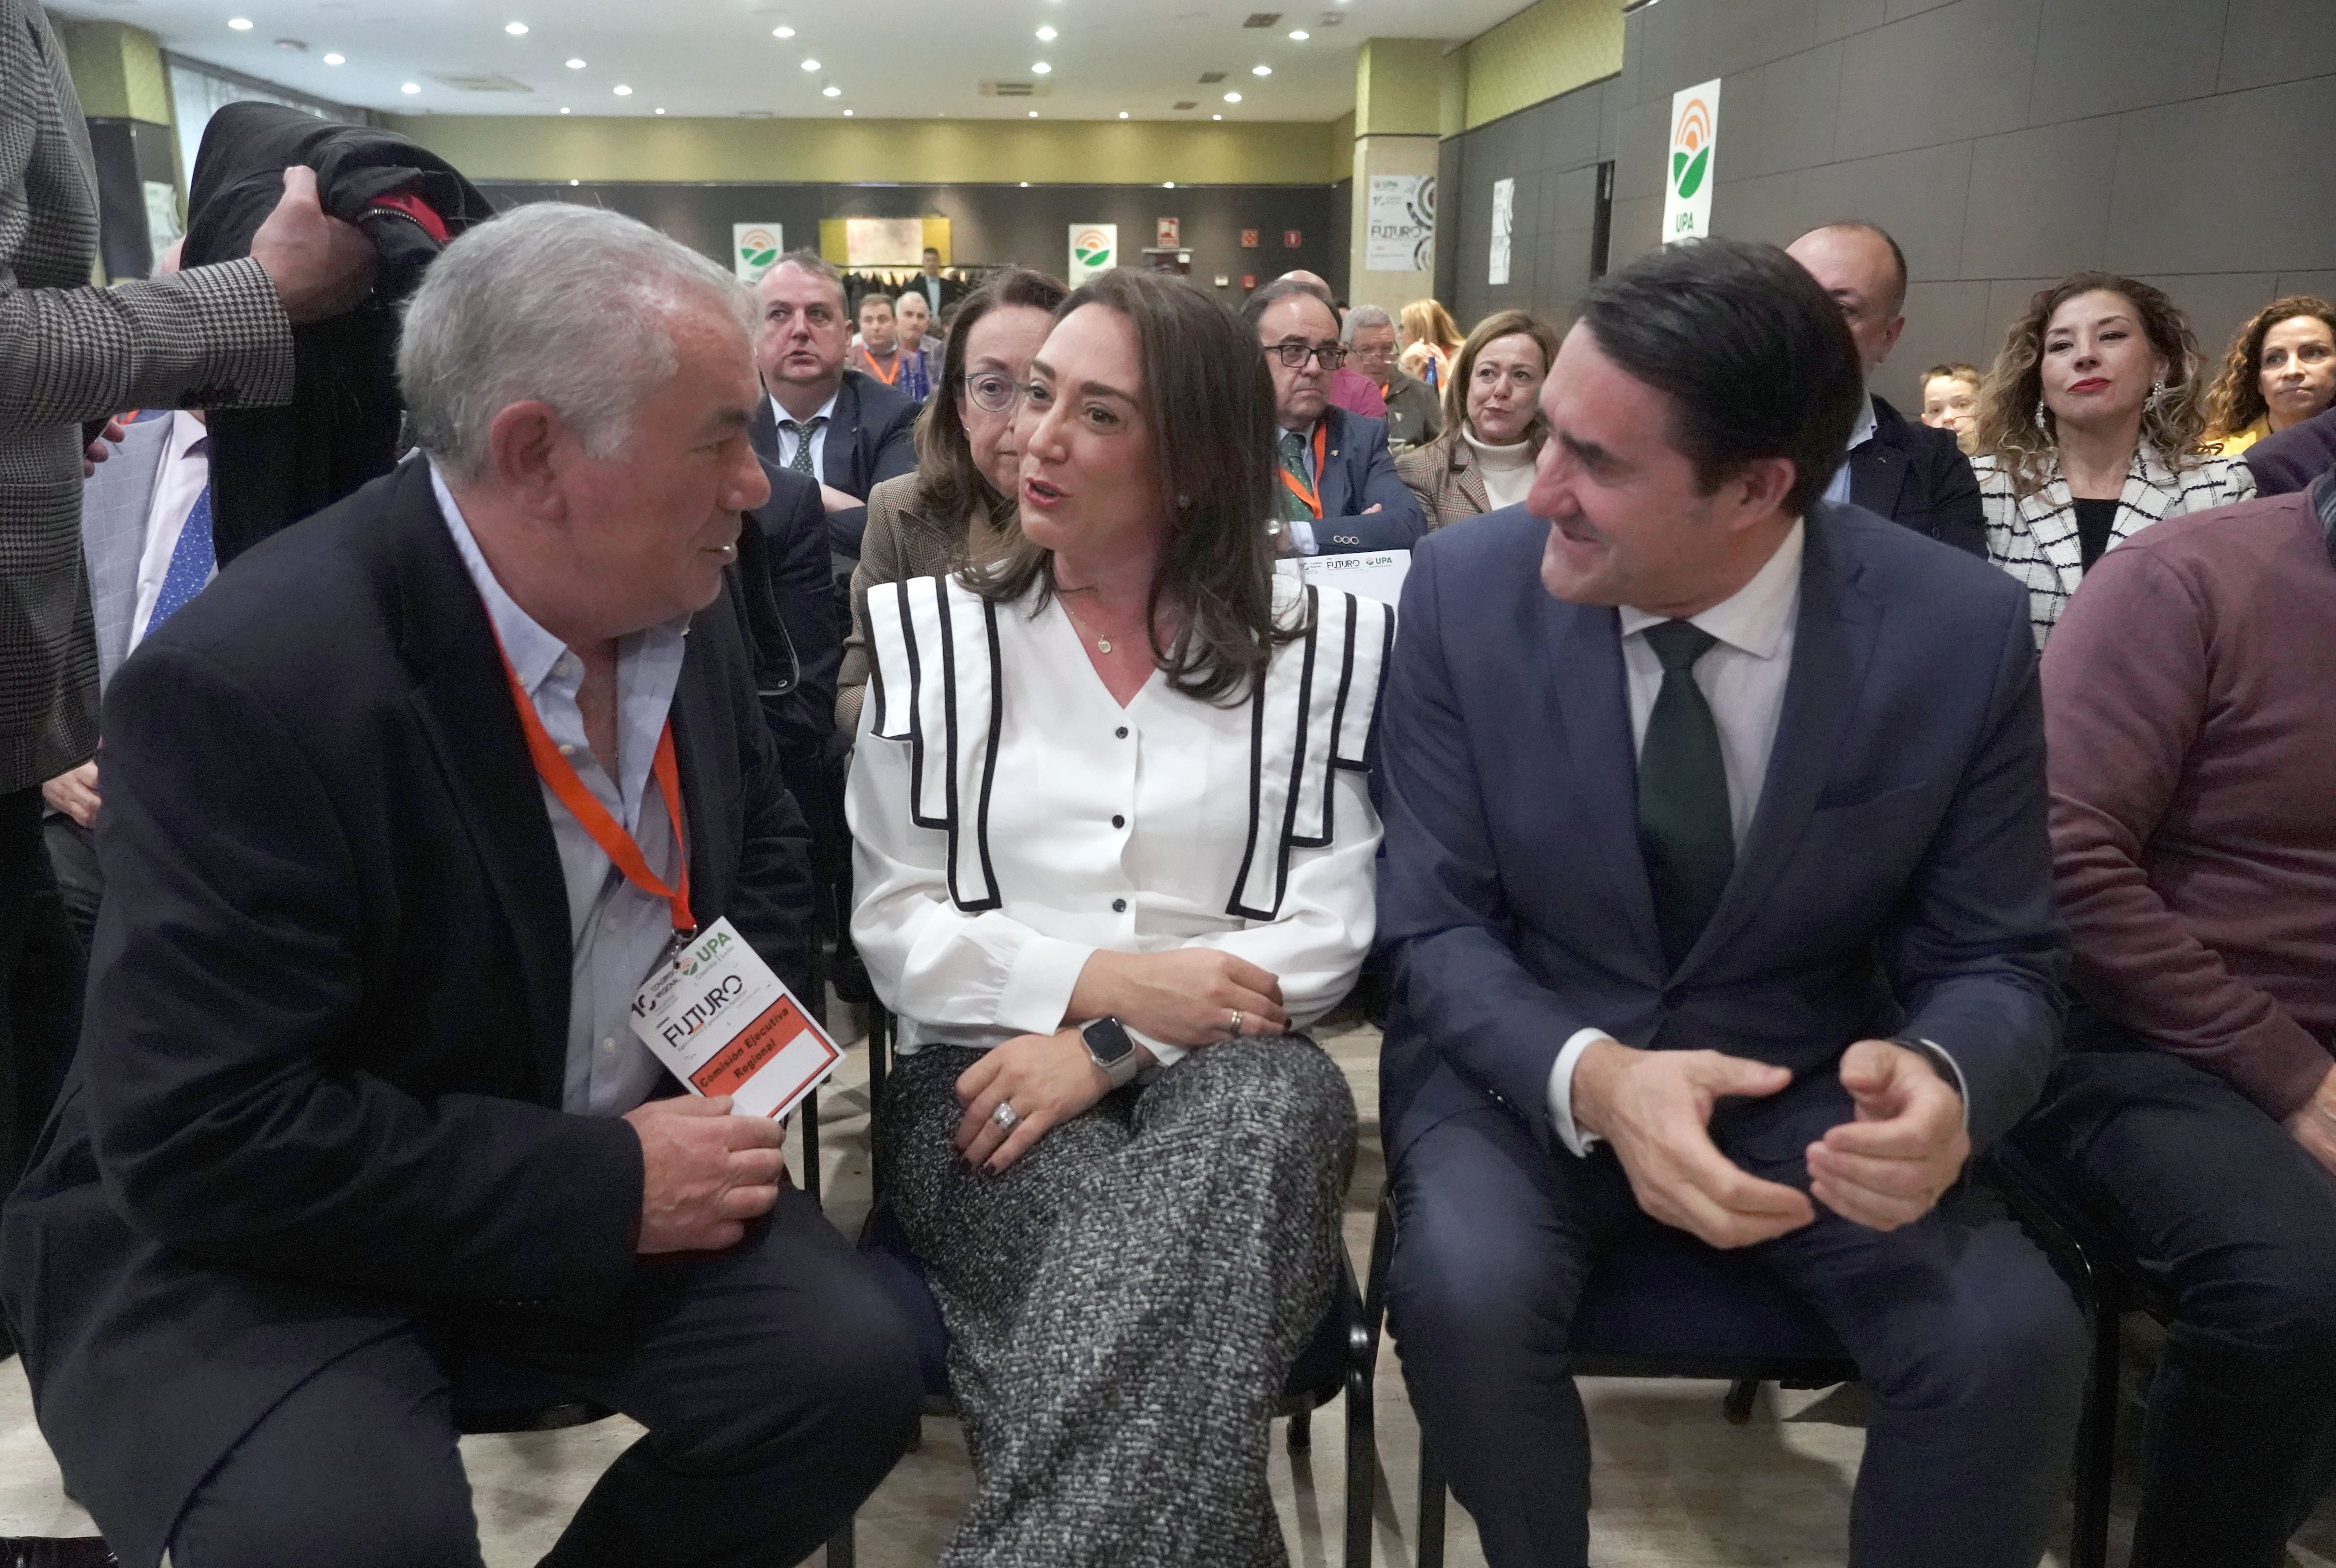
point(754, 247)
point(1687, 182)
point(1094, 247)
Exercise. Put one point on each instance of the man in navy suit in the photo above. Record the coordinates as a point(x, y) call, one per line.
point(846, 430)
point(1339, 490)
point(1719, 896)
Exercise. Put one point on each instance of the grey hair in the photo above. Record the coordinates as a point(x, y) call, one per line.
point(569, 304)
point(1362, 317)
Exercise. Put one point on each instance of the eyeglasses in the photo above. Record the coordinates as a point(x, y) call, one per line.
point(1294, 356)
point(993, 392)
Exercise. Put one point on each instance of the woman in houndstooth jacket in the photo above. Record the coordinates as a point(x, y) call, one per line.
point(2088, 432)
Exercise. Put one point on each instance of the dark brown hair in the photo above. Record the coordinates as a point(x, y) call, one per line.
point(1208, 401)
point(950, 484)
point(1500, 324)
point(2236, 400)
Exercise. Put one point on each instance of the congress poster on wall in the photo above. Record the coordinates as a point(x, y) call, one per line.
point(1094, 248)
point(754, 247)
point(1505, 218)
point(883, 241)
point(1687, 185)
point(1402, 218)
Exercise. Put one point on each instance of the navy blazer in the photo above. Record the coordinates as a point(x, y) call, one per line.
point(1356, 473)
point(319, 1083)
point(1918, 477)
point(870, 437)
point(1897, 874)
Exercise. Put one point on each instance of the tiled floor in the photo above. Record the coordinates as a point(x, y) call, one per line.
point(1675, 1485)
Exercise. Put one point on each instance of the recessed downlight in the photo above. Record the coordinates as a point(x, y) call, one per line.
point(241, 24)
point(623, 92)
point(337, 60)
point(783, 32)
point(516, 29)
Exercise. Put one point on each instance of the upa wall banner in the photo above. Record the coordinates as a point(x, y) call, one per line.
point(1401, 217)
point(1505, 218)
point(1687, 176)
point(1094, 247)
point(754, 247)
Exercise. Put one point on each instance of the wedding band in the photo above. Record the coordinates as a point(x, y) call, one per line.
point(1007, 1117)
point(1237, 1021)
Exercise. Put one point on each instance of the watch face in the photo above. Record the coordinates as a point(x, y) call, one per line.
point(1106, 1040)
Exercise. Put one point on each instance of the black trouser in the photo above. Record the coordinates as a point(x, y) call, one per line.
point(778, 1382)
point(2216, 1201)
point(72, 861)
point(42, 969)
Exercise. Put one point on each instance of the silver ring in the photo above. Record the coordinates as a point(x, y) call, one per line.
point(1007, 1117)
point(1237, 1021)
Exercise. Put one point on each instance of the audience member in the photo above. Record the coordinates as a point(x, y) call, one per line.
point(1909, 473)
point(1430, 337)
point(1339, 490)
point(360, 1088)
point(2193, 753)
point(921, 348)
point(1108, 1137)
point(1412, 414)
point(2088, 432)
point(844, 428)
point(1349, 389)
point(1835, 804)
point(1950, 400)
point(939, 292)
point(2279, 371)
point(2293, 458)
point(876, 351)
point(959, 505)
point(1484, 460)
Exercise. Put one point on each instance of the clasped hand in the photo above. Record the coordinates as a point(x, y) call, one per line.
point(1884, 1169)
point(704, 1172)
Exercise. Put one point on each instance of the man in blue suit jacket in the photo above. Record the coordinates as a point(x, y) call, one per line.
point(1719, 896)
point(1339, 487)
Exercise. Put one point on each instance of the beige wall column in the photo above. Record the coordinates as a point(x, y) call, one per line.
point(1398, 102)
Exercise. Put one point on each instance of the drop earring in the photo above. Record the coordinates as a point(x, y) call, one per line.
point(2039, 417)
point(2157, 394)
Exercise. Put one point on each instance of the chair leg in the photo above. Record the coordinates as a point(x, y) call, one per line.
point(1431, 1508)
point(2089, 1545)
point(1301, 1432)
point(810, 1112)
point(1362, 1466)
point(1742, 1395)
point(843, 1550)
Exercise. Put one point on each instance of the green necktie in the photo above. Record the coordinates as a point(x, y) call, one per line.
point(1684, 831)
point(801, 463)
point(1293, 459)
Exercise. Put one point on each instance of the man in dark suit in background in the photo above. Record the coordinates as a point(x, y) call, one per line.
point(1339, 491)
point(940, 293)
point(846, 430)
point(1901, 469)
point(1719, 897)
point(399, 815)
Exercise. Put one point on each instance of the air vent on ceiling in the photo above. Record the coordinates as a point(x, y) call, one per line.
point(1211, 78)
point(1188, 103)
point(1262, 18)
point(483, 82)
point(1331, 19)
point(1018, 88)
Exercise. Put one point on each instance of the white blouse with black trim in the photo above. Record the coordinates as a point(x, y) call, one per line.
point(1009, 818)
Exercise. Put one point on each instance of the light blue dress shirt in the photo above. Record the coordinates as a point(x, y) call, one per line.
point(617, 932)
point(1838, 491)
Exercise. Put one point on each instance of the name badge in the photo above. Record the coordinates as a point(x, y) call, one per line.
point(723, 1024)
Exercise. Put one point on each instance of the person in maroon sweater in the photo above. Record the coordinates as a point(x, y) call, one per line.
point(2192, 735)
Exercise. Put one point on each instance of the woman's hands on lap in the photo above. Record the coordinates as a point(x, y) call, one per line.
point(1047, 1078)
point(1186, 997)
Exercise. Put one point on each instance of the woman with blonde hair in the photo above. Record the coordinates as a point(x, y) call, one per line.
point(2280, 370)
point(1430, 337)
point(1493, 427)
point(2088, 430)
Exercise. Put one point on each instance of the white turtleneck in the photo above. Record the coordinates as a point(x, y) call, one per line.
point(1508, 470)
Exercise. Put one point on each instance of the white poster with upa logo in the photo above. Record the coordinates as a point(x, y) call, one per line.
point(1094, 248)
point(1367, 574)
point(1687, 179)
point(1402, 216)
point(754, 248)
point(1505, 218)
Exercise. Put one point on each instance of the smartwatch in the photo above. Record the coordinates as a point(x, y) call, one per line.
point(1111, 1049)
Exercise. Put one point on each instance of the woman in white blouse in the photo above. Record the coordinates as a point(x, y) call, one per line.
point(2088, 431)
point(1114, 856)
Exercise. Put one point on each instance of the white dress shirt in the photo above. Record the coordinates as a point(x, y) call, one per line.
point(1108, 828)
point(186, 468)
point(826, 414)
point(1837, 488)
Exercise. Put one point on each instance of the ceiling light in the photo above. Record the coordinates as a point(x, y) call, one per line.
point(576, 182)
point(564, 109)
point(830, 92)
point(411, 87)
point(337, 60)
point(661, 111)
point(1040, 68)
point(1046, 35)
point(623, 91)
point(811, 64)
point(241, 24)
point(1232, 97)
point(783, 32)
point(516, 29)
point(576, 66)
point(1025, 185)
point(847, 114)
point(1299, 34)
point(1167, 185)
point(1216, 117)
point(1033, 114)
point(1261, 70)
point(1122, 114)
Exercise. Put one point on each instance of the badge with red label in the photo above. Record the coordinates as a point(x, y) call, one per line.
point(724, 1023)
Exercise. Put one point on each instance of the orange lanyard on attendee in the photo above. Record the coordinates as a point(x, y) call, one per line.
point(623, 853)
point(1309, 491)
point(887, 377)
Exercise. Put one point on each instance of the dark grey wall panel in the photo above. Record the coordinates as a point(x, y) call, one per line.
point(2104, 56)
point(1840, 18)
point(2268, 41)
point(2039, 200)
point(1961, 69)
point(1552, 150)
point(2222, 184)
point(1787, 110)
point(1920, 196)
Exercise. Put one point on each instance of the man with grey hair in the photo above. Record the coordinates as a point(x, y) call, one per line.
point(1413, 416)
point(403, 812)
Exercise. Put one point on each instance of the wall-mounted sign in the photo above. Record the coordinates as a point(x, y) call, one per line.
point(1249, 280)
point(1248, 239)
point(1402, 237)
point(754, 247)
point(1171, 233)
point(883, 241)
point(1505, 218)
point(1224, 281)
point(1094, 248)
point(1687, 178)
point(1292, 239)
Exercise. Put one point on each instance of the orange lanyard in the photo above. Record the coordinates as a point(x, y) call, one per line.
point(886, 376)
point(1309, 491)
point(623, 853)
